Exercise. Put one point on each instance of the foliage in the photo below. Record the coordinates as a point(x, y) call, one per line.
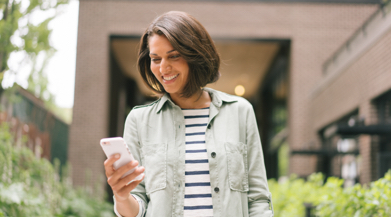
point(283, 159)
point(20, 33)
point(290, 195)
point(330, 198)
point(32, 186)
point(371, 201)
point(35, 38)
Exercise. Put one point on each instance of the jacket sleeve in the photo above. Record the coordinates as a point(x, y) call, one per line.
point(131, 137)
point(259, 197)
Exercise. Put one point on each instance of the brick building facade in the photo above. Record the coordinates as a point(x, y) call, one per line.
point(307, 33)
point(356, 83)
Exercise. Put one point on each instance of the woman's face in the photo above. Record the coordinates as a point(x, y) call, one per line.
point(167, 64)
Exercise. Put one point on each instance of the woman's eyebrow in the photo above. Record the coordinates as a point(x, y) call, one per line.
point(167, 52)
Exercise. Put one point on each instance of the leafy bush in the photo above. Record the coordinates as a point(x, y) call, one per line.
point(290, 195)
point(330, 198)
point(32, 186)
point(371, 201)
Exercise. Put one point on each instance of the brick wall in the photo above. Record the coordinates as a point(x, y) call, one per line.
point(90, 111)
point(355, 88)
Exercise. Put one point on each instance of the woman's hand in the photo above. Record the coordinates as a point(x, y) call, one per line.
point(120, 186)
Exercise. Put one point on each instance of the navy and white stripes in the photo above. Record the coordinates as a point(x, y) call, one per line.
point(198, 192)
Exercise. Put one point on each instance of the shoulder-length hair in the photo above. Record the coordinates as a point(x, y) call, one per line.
point(194, 44)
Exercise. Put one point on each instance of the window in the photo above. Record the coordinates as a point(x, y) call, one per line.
point(382, 106)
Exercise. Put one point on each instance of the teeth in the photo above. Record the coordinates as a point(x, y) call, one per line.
point(170, 78)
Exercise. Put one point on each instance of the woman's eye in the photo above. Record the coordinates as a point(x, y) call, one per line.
point(175, 56)
point(155, 60)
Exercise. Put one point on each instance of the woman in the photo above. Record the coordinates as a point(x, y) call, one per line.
point(200, 147)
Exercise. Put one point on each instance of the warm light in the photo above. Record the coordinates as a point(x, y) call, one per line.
point(239, 90)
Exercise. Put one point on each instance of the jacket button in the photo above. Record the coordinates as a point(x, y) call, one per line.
point(217, 189)
point(213, 154)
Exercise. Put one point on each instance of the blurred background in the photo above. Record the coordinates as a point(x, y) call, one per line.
point(317, 72)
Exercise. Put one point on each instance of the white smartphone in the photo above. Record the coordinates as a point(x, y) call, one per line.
point(117, 145)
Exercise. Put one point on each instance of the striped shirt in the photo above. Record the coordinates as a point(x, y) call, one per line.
point(198, 192)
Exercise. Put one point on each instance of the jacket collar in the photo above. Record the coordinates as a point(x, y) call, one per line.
point(218, 98)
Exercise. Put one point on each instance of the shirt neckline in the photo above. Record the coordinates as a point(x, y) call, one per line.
point(196, 109)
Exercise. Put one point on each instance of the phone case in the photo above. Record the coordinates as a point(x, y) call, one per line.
point(117, 145)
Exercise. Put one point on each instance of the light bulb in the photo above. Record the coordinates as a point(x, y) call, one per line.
point(240, 90)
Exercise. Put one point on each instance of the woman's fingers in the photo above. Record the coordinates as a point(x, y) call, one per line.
point(123, 193)
point(124, 185)
point(115, 177)
point(125, 180)
point(124, 169)
point(133, 184)
point(108, 164)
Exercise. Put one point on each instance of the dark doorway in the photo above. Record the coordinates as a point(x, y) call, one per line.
point(274, 116)
point(383, 115)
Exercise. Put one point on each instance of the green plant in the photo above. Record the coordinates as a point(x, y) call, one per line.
point(24, 34)
point(32, 186)
point(371, 201)
point(330, 198)
point(290, 195)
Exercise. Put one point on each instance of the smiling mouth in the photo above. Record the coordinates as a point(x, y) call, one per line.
point(170, 78)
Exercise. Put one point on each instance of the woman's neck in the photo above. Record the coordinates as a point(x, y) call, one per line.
point(196, 101)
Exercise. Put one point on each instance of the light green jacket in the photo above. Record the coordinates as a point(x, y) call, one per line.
point(155, 134)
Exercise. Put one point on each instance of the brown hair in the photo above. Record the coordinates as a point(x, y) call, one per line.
point(192, 41)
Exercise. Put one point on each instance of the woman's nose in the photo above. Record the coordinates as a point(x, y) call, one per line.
point(165, 66)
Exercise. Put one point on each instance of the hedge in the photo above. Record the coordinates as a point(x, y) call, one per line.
point(330, 198)
point(31, 186)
